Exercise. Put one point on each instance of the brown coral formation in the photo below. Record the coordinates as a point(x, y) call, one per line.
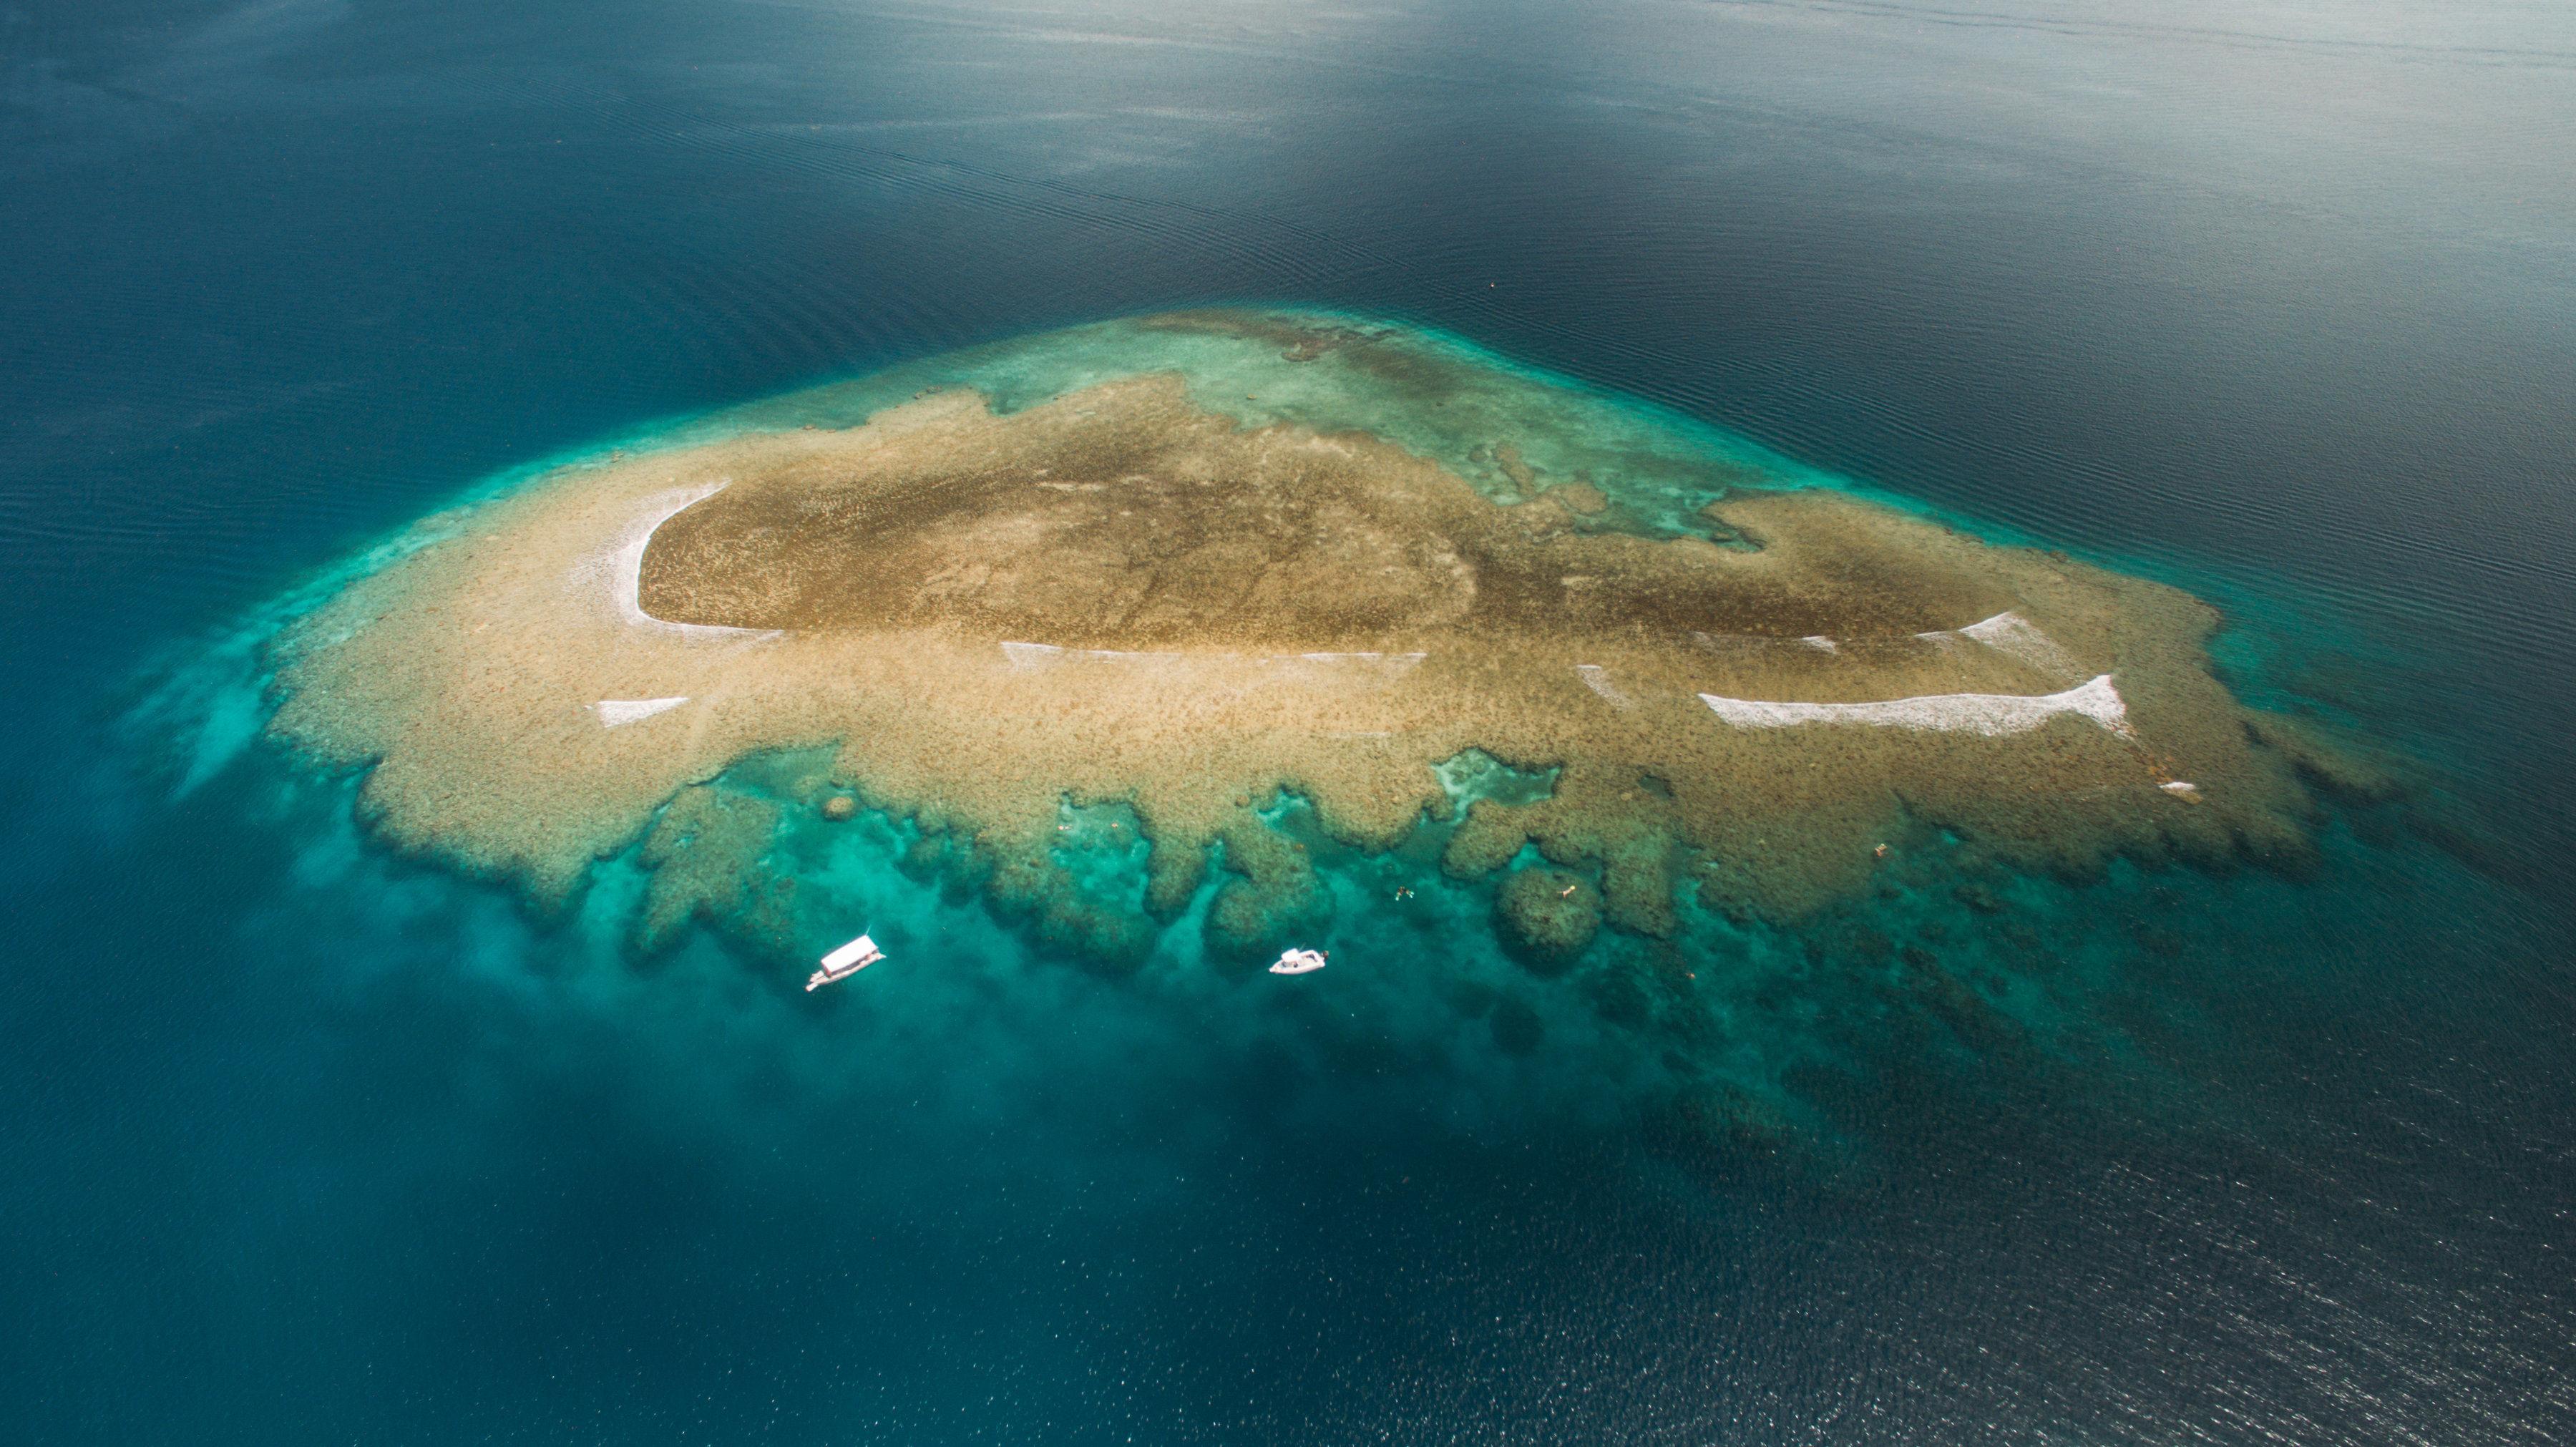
point(1548, 915)
point(1117, 596)
point(705, 853)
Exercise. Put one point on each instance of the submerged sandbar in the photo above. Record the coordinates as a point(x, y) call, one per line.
point(997, 596)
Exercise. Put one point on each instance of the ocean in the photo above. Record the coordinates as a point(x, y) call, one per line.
point(308, 1139)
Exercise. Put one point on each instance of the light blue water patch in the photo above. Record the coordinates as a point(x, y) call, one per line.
point(1103, 851)
point(1474, 776)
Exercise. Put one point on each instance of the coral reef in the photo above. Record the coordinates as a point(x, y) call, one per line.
point(1117, 593)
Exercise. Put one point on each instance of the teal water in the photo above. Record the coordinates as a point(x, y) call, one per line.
point(307, 1141)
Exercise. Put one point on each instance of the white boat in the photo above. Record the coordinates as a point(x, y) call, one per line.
point(846, 961)
point(1299, 962)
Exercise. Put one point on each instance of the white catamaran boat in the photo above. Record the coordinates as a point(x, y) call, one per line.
point(846, 961)
point(1299, 962)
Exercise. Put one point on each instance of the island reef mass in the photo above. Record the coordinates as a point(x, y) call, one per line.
point(1076, 571)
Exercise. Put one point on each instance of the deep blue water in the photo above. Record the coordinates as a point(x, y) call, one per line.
point(300, 1142)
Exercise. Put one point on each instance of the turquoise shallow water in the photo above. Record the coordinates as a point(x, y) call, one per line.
point(307, 1142)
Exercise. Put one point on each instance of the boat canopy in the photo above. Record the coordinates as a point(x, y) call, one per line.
point(1298, 962)
point(860, 951)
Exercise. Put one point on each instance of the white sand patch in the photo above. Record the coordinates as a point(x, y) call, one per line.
point(1597, 679)
point(1121, 655)
point(1385, 665)
point(615, 711)
point(2014, 636)
point(624, 566)
point(1031, 655)
point(2007, 633)
point(1039, 655)
point(1992, 714)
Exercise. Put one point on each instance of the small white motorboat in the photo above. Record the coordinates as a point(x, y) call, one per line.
point(1299, 962)
point(844, 962)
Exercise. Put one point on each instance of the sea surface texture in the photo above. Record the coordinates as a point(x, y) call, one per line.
point(313, 1129)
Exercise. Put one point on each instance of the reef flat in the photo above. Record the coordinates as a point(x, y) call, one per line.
point(1199, 563)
